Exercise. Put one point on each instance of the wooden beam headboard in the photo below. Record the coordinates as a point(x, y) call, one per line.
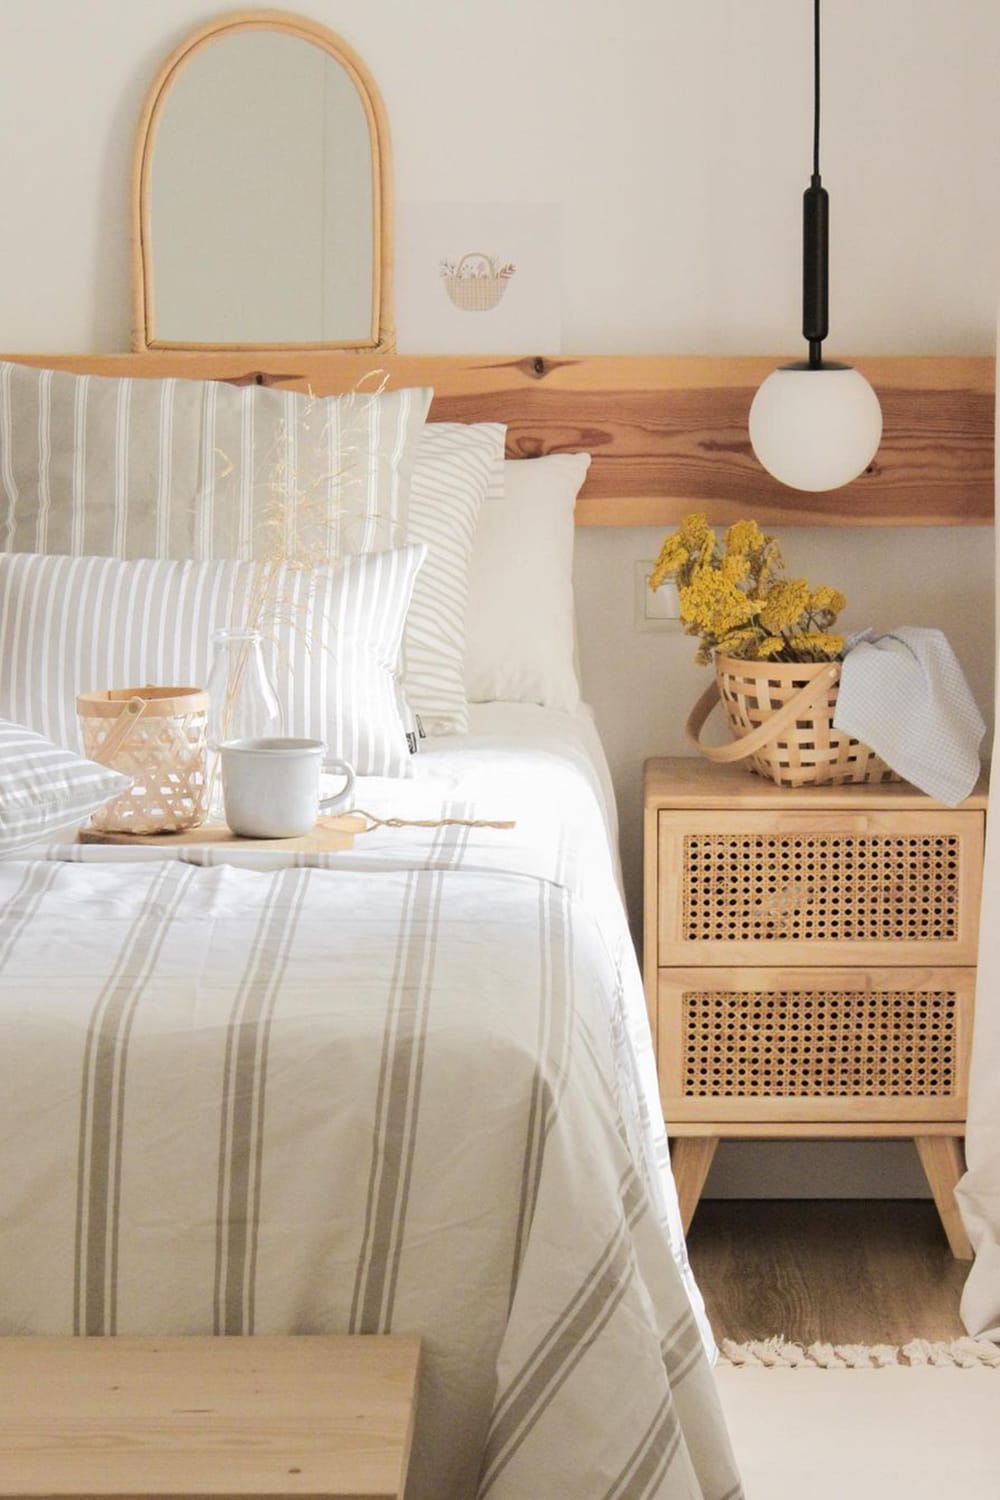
point(668, 434)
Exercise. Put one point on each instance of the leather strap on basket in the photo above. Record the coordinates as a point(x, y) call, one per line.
point(748, 744)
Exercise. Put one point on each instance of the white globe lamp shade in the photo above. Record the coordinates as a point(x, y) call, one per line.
point(815, 428)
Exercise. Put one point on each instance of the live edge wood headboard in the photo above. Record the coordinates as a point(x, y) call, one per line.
point(668, 434)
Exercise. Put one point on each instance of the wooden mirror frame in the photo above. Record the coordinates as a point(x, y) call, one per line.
point(383, 332)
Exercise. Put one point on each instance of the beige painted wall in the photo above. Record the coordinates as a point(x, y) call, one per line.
point(676, 138)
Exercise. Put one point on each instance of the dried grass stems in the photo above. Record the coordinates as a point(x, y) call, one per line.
point(304, 525)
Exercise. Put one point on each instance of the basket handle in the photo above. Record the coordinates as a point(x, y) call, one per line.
point(132, 711)
point(475, 255)
point(748, 744)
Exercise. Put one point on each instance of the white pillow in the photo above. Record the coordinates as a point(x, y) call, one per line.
point(82, 624)
point(519, 627)
point(43, 788)
point(138, 467)
point(456, 465)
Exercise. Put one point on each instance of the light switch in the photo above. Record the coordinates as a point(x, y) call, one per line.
point(655, 611)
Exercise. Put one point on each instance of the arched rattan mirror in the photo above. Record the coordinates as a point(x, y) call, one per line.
point(262, 200)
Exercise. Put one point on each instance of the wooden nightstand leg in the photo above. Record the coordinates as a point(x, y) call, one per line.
point(690, 1158)
point(941, 1159)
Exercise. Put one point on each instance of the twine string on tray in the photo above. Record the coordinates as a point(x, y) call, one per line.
point(374, 822)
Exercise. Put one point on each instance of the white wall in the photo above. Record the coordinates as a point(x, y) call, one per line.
point(676, 138)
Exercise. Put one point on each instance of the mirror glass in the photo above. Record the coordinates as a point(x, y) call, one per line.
point(260, 198)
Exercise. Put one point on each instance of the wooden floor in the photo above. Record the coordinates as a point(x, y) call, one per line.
point(833, 1271)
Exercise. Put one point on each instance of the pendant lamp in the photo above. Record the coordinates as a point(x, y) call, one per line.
point(815, 425)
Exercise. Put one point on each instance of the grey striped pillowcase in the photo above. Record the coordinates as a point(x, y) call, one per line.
point(44, 787)
point(137, 468)
point(458, 465)
point(79, 624)
point(121, 467)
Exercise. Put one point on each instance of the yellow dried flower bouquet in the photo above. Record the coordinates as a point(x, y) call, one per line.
point(777, 660)
point(733, 596)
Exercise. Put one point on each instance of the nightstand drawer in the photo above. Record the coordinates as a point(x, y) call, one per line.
point(818, 887)
point(814, 1044)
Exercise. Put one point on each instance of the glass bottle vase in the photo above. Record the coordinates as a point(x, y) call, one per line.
point(243, 703)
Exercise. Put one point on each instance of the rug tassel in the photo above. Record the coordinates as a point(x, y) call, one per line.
point(779, 1353)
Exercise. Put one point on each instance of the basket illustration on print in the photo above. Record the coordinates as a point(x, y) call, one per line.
point(477, 282)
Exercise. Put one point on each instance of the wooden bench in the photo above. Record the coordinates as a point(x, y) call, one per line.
point(170, 1417)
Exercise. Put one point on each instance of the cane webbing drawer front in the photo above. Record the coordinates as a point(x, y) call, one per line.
point(808, 1044)
point(818, 887)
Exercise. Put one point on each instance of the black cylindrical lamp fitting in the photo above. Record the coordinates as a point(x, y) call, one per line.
point(815, 267)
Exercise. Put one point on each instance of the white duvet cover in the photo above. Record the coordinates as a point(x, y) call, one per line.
point(409, 1087)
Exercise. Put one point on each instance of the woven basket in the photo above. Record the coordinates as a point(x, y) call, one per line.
point(156, 735)
point(781, 715)
point(477, 293)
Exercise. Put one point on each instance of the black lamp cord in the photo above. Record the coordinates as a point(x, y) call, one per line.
point(816, 90)
point(815, 234)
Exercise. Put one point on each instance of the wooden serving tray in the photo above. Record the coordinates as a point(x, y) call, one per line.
point(332, 832)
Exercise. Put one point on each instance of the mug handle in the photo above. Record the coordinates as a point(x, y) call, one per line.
point(337, 768)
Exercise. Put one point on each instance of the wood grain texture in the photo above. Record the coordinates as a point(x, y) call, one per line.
point(333, 832)
point(668, 434)
point(837, 1272)
point(689, 781)
point(691, 1159)
point(255, 1417)
point(943, 1162)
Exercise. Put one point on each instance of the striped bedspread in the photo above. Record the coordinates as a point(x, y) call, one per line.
point(403, 1089)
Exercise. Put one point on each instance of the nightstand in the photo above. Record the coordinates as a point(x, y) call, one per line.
point(810, 965)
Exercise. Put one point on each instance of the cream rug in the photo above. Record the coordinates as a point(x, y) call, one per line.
point(894, 1430)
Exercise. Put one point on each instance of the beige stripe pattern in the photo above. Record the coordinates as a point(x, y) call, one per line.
point(102, 1104)
point(398, 1095)
point(9, 478)
point(652, 1457)
point(136, 468)
point(139, 468)
point(555, 1017)
point(564, 1343)
point(23, 904)
point(72, 625)
point(397, 1107)
point(385, 1089)
point(244, 1084)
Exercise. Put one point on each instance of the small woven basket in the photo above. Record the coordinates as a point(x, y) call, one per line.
point(156, 735)
point(781, 715)
point(477, 293)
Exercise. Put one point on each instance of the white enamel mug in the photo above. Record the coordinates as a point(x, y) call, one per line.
point(270, 787)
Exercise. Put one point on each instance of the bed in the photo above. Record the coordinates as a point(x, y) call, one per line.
point(406, 1087)
point(409, 1087)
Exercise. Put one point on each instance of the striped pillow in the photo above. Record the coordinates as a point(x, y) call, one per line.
point(94, 466)
point(80, 624)
point(43, 788)
point(457, 465)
